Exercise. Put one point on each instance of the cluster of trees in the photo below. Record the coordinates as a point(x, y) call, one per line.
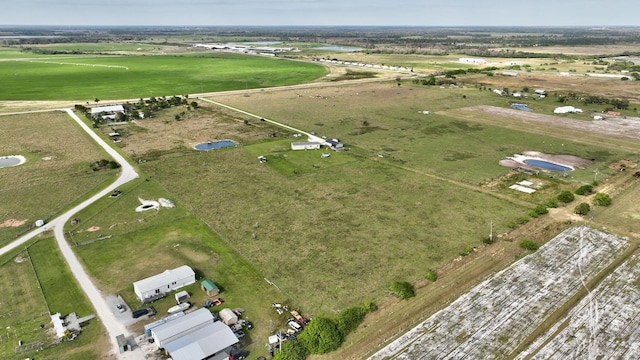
point(324, 334)
point(144, 108)
point(103, 164)
point(620, 104)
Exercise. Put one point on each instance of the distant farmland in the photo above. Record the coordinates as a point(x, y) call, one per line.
point(87, 78)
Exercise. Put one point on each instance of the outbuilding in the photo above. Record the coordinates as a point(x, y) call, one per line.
point(228, 316)
point(305, 145)
point(335, 144)
point(209, 287)
point(157, 286)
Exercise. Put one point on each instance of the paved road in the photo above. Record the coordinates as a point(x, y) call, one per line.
point(103, 310)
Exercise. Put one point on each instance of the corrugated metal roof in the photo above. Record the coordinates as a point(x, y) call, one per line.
point(202, 343)
point(182, 325)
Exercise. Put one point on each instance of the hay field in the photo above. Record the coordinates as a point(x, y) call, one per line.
point(55, 174)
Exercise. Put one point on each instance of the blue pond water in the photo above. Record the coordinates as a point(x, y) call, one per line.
point(522, 107)
point(210, 145)
point(547, 165)
point(9, 161)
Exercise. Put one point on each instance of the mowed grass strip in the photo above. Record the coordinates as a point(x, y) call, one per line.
point(117, 77)
point(23, 306)
point(56, 171)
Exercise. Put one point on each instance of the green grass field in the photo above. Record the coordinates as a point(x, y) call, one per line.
point(55, 174)
point(85, 78)
point(29, 298)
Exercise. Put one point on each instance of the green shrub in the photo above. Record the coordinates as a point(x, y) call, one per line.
point(431, 275)
point(402, 289)
point(467, 250)
point(321, 336)
point(566, 197)
point(601, 199)
point(532, 214)
point(551, 203)
point(291, 350)
point(529, 245)
point(349, 319)
point(582, 209)
point(523, 220)
point(584, 190)
point(541, 210)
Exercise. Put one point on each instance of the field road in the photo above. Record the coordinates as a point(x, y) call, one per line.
point(103, 311)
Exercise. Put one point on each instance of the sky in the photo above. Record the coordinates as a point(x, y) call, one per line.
point(591, 13)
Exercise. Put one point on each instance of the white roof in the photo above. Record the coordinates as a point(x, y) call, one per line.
point(57, 325)
point(163, 279)
point(184, 324)
point(202, 343)
point(228, 316)
point(107, 109)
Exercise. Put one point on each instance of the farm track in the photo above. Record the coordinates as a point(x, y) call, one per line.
point(626, 131)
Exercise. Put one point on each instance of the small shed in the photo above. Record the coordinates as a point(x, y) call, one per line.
point(228, 316)
point(209, 287)
point(181, 296)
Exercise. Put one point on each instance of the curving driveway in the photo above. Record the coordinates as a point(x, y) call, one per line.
point(103, 311)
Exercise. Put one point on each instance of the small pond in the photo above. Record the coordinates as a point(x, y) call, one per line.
point(210, 145)
point(8, 161)
point(547, 165)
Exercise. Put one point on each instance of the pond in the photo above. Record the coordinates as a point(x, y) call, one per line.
point(210, 145)
point(13, 160)
point(547, 165)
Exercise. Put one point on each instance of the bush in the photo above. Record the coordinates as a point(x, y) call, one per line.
point(532, 213)
point(523, 220)
point(584, 190)
point(566, 197)
point(582, 209)
point(551, 203)
point(431, 275)
point(467, 250)
point(601, 199)
point(349, 319)
point(402, 289)
point(541, 209)
point(321, 336)
point(291, 350)
point(529, 245)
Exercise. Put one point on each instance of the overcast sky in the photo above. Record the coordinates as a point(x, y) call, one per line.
point(322, 12)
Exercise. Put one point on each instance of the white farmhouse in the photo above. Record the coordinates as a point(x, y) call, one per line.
point(157, 286)
point(305, 145)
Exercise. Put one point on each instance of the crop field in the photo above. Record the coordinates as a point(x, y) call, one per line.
point(603, 324)
point(85, 78)
point(56, 171)
point(497, 316)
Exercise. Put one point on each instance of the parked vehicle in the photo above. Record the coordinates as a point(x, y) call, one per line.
point(121, 308)
point(180, 307)
point(137, 313)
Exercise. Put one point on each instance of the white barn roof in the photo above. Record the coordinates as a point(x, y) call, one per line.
point(202, 343)
point(167, 277)
point(107, 109)
point(182, 325)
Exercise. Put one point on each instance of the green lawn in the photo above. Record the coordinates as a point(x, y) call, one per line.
point(85, 78)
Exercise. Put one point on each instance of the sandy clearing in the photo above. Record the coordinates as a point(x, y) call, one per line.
point(13, 223)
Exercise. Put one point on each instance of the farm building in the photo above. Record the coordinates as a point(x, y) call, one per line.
point(179, 326)
point(209, 287)
point(335, 144)
point(228, 316)
point(214, 341)
point(194, 336)
point(305, 145)
point(157, 286)
point(107, 112)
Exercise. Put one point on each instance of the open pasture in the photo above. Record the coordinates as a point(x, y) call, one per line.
point(497, 316)
point(55, 174)
point(85, 78)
